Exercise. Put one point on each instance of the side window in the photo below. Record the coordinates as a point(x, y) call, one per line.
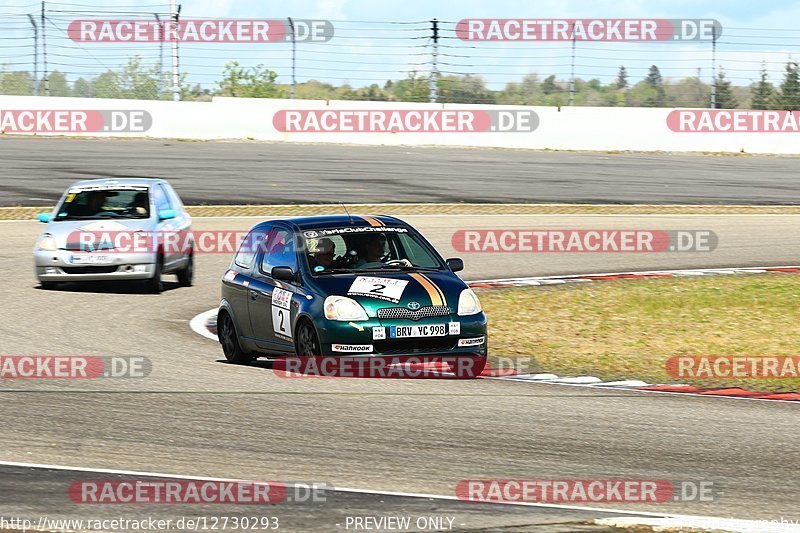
point(250, 247)
point(418, 255)
point(160, 198)
point(173, 198)
point(280, 251)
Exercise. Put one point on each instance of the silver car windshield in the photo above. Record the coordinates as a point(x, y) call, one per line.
point(105, 203)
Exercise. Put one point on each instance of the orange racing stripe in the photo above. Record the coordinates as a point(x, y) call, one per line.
point(374, 222)
point(436, 296)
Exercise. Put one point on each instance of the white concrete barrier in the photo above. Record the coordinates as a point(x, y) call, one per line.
point(566, 128)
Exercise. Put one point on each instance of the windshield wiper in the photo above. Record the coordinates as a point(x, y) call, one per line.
point(405, 268)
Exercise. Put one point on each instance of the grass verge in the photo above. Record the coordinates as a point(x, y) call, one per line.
point(628, 329)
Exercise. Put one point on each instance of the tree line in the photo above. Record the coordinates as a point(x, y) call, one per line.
point(137, 80)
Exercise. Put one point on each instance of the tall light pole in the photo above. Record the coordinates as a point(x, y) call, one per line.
point(294, 57)
point(572, 70)
point(714, 68)
point(160, 55)
point(35, 55)
point(44, 54)
point(176, 14)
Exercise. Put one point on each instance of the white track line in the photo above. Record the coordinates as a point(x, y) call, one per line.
point(600, 386)
point(359, 491)
point(708, 524)
point(198, 324)
point(638, 273)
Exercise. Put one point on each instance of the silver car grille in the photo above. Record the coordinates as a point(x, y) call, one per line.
point(402, 313)
point(80, 247)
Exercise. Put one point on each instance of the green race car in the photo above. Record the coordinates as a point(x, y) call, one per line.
point(345, 285)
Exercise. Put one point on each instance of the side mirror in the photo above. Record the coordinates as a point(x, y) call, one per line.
point(455, 264)
point(283, 274)
point(167, 214)
point(45, 217)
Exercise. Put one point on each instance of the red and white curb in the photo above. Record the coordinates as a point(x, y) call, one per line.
point(641, 386)
point(205, 324)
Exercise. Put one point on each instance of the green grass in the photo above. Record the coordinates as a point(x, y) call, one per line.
point(630, 328)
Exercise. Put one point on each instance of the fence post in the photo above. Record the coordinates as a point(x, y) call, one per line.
point(44, 54)
point(35, 55)
point(433, 83)
point(176, 13)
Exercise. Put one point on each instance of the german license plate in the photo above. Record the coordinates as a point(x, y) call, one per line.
point(90, 259)
point(430, 330)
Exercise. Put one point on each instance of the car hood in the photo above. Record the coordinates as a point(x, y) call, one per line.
point(69, 230)
point(393, 289)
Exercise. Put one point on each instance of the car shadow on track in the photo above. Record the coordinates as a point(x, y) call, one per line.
point(106, 287)
point(265, 364)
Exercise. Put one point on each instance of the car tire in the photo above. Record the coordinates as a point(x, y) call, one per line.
point(307, 343)
point(186, 274)
point(229, 339)
point(155, 285)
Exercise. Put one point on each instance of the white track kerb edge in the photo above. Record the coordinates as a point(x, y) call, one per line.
point(200, 325)
point(623, 517)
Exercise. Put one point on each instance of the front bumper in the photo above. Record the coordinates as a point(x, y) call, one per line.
point(338, 338)
point(58, 265)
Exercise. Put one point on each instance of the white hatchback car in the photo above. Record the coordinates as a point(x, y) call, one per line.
point(81, 241)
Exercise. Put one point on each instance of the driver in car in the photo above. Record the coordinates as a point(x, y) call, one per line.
point(324, 253)
point(375, 252)
point(94, 205)
point(141, 204)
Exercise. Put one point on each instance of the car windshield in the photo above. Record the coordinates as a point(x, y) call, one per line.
point(366, 249)
point(105, 203)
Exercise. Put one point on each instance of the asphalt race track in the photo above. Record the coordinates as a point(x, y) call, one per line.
point(36, 170)
point(196, 415)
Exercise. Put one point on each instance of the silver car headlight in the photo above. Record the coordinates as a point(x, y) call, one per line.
point(47, 243)
point(344, 309)
point(468, 303)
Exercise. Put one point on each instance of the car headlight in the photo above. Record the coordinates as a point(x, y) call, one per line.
point(468, 303)
point(47, 243)
point(342, 308)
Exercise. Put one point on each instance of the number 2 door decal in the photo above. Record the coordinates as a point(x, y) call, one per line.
point(281, 314)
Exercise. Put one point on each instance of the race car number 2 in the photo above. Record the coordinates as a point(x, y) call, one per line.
point(281, 300)
point(381, 288)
